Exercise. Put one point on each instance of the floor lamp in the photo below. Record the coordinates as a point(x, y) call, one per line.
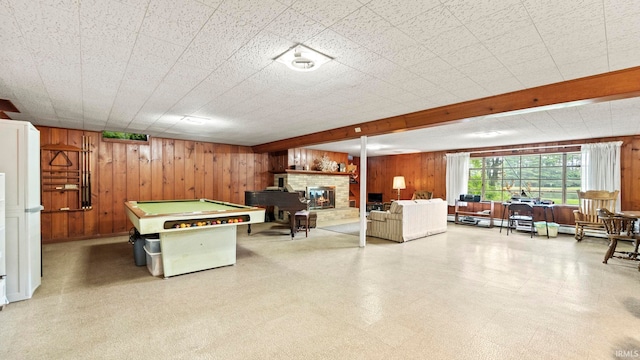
point(398, 183)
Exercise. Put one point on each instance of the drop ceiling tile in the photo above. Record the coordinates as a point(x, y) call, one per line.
point(513, 41)
point(622, 27)
point(191, 102)
point(421, 87)
point(623, 42)
point(481, 66)
point(362, 26)
point(143, 78)
point(410, 55)
point(38, 19)
point(549, 9)
point(260, 51)
point(572, 24)
point(584, 67)
point(390, 42)
point(9, 27)
point(184, 75)
point(570, 55)
point(621, 9)
point(384, 89)
point(153, 53)
point(624, 59)
point(466, 55)
point(326, 12)
point(467, 11)
point(460, 83)
point(294, 26)
point(501, 86)
point(221, 36)
point(398, 11)
point(450, 41)
point(444, 98)
point(108, 44)
point(530, 80)
point(114, 13)
point(437, 70)
point(540, 66)
point(166, 19)
point(491, 76)
point(569, 115)
point(430, 24)
point(500, 22)
point(258, 12)
point(388, 71)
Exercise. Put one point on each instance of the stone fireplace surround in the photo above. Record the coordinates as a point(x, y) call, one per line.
point(301, 180)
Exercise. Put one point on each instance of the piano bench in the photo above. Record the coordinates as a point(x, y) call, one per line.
point(304, 220)
point(313, 218)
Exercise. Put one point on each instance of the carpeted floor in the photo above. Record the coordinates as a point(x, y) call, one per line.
point(348, 228)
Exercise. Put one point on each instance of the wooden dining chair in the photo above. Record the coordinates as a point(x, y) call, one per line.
point(619, 227)
point(589, 202)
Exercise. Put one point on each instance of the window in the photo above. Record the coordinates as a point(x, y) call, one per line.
point(545, 176)
point(117, 135)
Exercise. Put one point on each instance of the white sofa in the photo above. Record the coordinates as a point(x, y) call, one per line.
point(408, 220)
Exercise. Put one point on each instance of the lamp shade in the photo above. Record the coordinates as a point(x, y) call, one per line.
point(398, 182)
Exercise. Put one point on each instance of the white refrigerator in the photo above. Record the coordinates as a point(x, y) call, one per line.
point(20, 162)
point(3, 259)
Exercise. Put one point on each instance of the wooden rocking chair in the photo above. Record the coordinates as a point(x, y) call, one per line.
point(589, 202)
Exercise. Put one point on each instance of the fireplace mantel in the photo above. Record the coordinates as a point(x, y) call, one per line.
point(312, 172)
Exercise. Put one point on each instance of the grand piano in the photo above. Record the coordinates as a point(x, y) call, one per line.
point(290, 201)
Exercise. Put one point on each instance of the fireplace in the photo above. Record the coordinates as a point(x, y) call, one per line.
point(321, 197)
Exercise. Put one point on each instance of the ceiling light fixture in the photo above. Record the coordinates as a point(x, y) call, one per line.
point(195, 120)
point(302, 58)
point(487, 134)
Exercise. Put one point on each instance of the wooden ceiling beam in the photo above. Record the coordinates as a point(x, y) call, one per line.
point(614, 85)
point(7, 105)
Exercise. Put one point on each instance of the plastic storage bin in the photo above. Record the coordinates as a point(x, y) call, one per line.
point(541, 228)
point(154, 262)
point(152, 243)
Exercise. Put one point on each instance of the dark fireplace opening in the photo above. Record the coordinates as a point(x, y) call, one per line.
point(321, 197)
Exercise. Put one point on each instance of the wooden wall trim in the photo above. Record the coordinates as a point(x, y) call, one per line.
point(598, 88)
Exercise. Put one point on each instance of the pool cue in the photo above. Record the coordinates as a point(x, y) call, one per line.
point(89, 172)
point(84, 161)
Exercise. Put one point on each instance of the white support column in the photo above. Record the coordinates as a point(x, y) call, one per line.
point(363, 191)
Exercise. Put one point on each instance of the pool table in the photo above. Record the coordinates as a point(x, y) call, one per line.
point(194, 234)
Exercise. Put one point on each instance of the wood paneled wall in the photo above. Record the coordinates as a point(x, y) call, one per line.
point(427, 171)
point(422, 171)
point(158, 170)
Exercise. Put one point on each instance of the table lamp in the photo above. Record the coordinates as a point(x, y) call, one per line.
point(398, 183)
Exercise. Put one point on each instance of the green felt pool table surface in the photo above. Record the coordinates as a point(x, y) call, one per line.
point(185, 206)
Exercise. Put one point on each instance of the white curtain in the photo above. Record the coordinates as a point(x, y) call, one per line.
point(601, 167)
point(457, 176)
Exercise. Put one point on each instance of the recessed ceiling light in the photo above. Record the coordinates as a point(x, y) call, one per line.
point(302, 58)
point(195, 120)
point(487, 134)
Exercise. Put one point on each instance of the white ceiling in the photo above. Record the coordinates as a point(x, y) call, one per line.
point(143, 65)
